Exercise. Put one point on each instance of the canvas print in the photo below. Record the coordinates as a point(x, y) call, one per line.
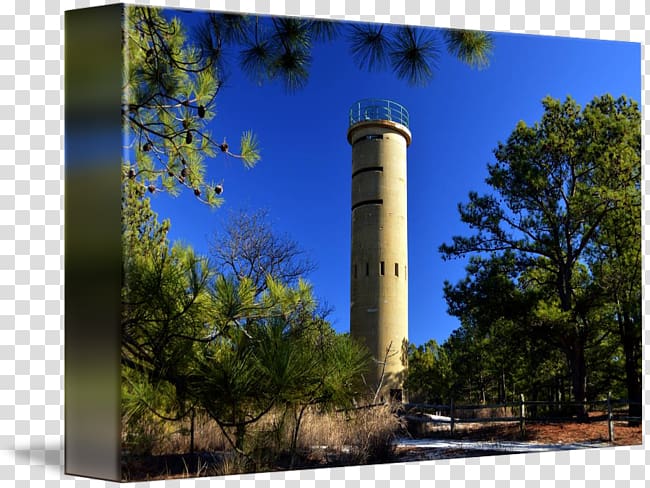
point(359, 243)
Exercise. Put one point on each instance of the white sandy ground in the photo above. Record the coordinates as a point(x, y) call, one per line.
point(502, 446)
point(436, 418)
point(438, 448)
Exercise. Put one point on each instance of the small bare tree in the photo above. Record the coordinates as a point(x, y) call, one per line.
point(375, 390)
point(249, 247)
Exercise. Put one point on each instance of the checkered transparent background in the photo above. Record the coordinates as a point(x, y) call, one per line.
point(31, 242)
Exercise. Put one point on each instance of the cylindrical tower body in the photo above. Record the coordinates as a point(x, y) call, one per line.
point(379, 135)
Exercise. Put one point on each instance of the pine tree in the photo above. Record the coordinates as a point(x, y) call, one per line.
point(557, 185)
point(169, 96)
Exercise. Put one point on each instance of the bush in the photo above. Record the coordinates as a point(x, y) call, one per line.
point(371, 434)
point(360, 436)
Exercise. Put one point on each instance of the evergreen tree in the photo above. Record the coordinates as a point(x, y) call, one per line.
point(165, 307)
point(169, 97)
point(283, 355)
point(557, 184)
point(194, 339)
point(615, 259)
point(430, 374)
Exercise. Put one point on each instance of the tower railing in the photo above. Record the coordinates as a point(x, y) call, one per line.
point(378, 109)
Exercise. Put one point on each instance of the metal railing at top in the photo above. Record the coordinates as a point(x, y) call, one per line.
point(378, 109)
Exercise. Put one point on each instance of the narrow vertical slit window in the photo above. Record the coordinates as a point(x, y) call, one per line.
point(354, 272)
point(367, 269)
point(381, 268)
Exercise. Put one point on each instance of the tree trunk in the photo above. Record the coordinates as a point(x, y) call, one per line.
point(240, 435)
point(632, 350)
point(579, 378)
point(294, 436)
point(482, 389)
point(558, 395)
point(502, 387)
point(634, 392)
point(576, 354)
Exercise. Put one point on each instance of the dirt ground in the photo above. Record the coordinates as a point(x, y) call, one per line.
point(577, 432)
point(536, 432)
point(556, 433)
point(177, 466)
point(551, 432)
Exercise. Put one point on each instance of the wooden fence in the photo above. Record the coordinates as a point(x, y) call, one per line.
point(520, 412)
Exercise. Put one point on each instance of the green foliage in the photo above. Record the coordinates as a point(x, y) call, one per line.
point(170, 87)
point(196, 339)
point(165, 306)
point(249, 149)
point(412, 53)
point(471, 47)
point(281, 49)
point(564, 214)
point(369, 46)
point(173, 77)
point(232, 341)
point(282, 354)
point(430, 376)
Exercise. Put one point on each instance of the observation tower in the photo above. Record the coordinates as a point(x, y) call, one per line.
point(379, 135)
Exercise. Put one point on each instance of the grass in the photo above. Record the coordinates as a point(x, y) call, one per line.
point(153, 436)
point(157, 449)
point(357, 437)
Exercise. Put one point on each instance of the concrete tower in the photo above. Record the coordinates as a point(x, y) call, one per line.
point(379, 135)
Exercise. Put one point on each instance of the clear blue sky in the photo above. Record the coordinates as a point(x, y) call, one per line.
point(304, 176)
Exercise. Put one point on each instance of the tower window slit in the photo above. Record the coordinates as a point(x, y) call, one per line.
point(369, 137)
point(368, 169)
point(367, 202)
point(381, 268)
point(396, 269)
point(367, 269)
point(355, 272)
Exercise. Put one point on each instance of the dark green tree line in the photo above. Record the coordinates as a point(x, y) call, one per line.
point(565, 210)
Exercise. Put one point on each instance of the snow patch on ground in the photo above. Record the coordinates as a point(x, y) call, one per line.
point(436, 418)
point(502, 446)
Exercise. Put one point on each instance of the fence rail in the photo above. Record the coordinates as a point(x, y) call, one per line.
point(524, 417)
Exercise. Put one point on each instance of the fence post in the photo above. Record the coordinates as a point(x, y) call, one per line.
point(451, 416)
point(522, 416)
point(610, 423)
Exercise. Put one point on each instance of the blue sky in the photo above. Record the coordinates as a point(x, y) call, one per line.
point(304, 176)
